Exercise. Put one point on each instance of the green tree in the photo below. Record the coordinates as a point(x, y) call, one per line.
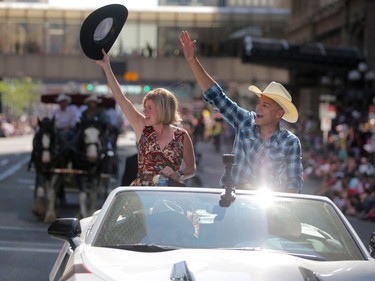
point(17, 95)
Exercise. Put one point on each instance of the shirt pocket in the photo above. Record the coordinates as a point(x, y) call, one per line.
point(277, 160)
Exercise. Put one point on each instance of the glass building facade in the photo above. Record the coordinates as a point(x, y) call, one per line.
point(42, 42)
point(37, 28)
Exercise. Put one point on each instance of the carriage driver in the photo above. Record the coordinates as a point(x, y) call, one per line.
point(66, 117)
point(94, 112)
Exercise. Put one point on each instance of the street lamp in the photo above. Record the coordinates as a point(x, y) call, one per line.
point(327, 105)
point(363, 78)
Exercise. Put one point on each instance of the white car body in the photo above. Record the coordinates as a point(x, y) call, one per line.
point(88, 257)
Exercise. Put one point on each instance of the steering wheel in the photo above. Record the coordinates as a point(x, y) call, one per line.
point(173, 206)
point(167, 205)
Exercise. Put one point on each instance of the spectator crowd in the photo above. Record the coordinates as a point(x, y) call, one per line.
point(15, 126)
point(343, 164)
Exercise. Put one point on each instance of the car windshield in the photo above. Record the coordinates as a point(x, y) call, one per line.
point(165, 220)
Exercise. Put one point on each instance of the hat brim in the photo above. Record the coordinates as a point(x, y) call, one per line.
point(291, 112)
point(91, 46)
point(62, 99)
point(88, 100)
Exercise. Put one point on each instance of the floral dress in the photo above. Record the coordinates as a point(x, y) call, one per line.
point(151, 159)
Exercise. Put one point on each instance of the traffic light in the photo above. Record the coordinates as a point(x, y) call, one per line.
point(89, 87)
point(146, 88)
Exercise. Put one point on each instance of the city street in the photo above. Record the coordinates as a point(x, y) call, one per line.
point(58, 57)
point(26, 250)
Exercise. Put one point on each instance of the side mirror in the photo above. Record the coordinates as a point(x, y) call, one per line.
point(65, 229)
point(372, 245)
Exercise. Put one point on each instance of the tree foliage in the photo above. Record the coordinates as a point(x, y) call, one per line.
point(17, 95)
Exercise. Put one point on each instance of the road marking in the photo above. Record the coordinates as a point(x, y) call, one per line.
point(14, 168)
point(17, 246)
point(4, 162)
point(14, 244)
point(31, 250)
point(22, 228)
point(27, 181)
point(36, 247)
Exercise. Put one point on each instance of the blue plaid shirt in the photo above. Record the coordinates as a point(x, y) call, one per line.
point(279, 158)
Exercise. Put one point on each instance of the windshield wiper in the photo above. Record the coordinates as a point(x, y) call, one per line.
point(244, 248)
point(314, 257)
point(300, 255)
point(143, 247)
point(308, 256)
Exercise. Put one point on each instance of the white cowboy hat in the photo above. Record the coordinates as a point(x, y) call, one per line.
point(93, 98)
point(63, 97)
point(281, 96)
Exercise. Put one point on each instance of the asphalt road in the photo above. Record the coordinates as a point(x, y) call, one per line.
point(26, 250)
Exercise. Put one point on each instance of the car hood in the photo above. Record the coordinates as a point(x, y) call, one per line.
point(208, 265)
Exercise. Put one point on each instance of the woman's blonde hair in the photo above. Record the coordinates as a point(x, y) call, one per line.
point(167, 105)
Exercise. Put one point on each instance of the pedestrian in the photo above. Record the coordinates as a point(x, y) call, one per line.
point(265, 152)
point(162, 146)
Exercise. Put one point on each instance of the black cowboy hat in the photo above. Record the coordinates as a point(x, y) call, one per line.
point(101, 28)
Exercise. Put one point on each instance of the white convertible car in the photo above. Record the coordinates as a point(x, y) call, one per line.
point(176, 233)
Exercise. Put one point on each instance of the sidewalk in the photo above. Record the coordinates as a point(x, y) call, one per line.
point(126, 139)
